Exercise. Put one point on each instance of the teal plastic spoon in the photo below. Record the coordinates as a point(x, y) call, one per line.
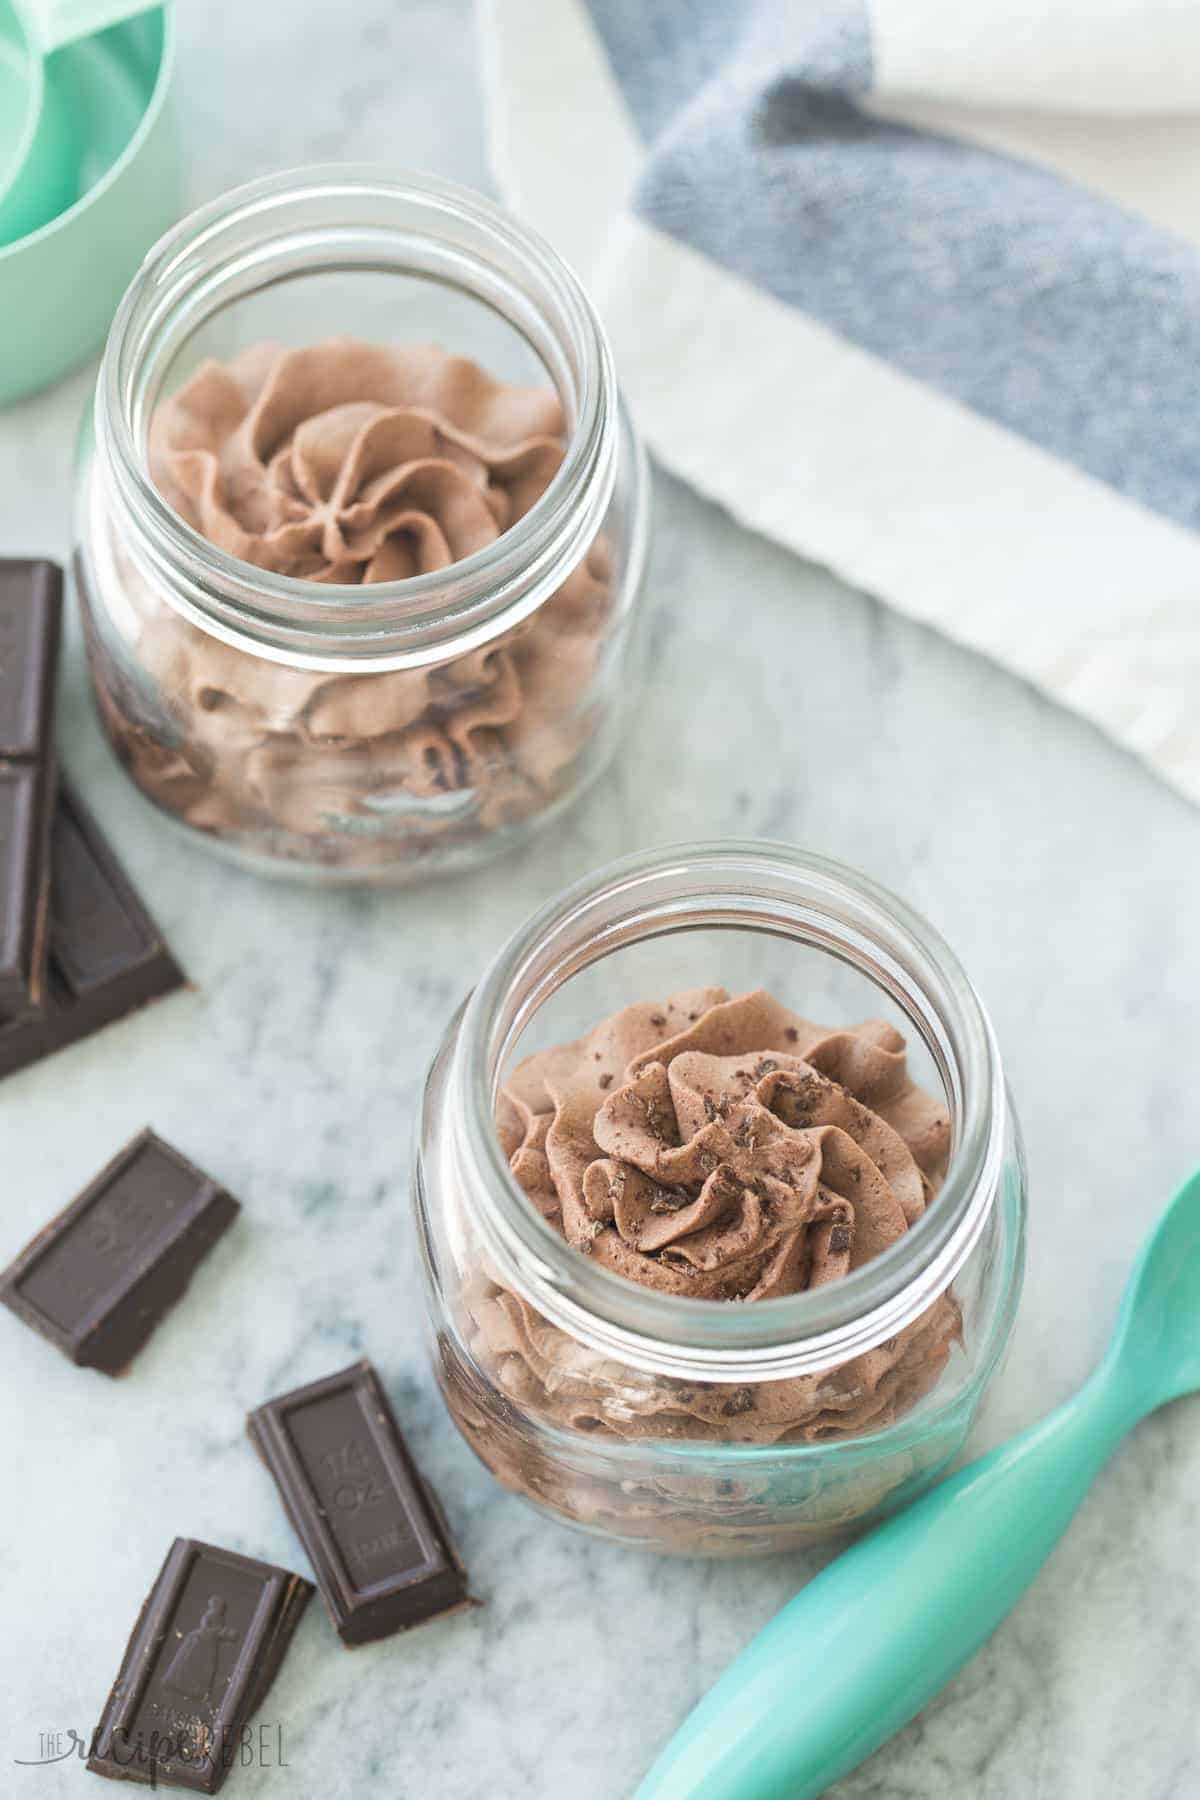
point(874, 1637)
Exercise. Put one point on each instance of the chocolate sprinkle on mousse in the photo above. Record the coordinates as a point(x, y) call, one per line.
point(710, 1176)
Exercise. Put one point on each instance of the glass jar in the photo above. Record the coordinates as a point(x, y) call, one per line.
point(598, 1427)
point(389, 728)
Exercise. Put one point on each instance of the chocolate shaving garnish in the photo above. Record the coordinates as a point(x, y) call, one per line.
point(727, 1202)
point(670, 1200)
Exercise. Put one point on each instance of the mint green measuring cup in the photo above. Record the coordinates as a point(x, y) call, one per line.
point(39, 149)
point(863, 1647)
point(60, 284)
point(41, 143)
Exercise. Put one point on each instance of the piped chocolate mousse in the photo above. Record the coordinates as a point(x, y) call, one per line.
point(723, 1149)
point(351, 463)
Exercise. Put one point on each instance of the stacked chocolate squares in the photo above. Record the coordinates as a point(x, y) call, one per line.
point(78, 950)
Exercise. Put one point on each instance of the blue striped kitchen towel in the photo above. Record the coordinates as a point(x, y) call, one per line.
point(914, 287)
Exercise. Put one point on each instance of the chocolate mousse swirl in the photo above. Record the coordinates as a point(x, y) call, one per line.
point(356, 463)
point(353, 462)
point(722, 1149)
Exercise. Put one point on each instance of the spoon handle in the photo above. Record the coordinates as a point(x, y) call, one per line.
point(868, 1642)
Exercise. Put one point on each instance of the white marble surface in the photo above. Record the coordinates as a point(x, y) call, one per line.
point(1064, 874)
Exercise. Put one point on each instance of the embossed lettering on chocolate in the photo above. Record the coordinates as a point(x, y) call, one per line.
point(208, 1642)
point(372, 1528)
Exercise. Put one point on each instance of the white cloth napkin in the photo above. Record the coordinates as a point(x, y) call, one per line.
point(914, 287)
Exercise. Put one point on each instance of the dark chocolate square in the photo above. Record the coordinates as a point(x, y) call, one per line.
point(372, 1529)
point(208, 1641)
point(98, 1278)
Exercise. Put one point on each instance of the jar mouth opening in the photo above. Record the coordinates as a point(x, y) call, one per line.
point(343, 218)
point(783, 891)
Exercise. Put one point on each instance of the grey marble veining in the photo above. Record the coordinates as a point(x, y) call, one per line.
point(782, 704)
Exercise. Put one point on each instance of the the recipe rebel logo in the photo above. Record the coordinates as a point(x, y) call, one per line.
point(258, 1746)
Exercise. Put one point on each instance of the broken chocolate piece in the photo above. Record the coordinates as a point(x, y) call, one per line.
point(107, 957)
point(30, 630)
point(208, 1642)
point(98, 1278)
point(373, 1530)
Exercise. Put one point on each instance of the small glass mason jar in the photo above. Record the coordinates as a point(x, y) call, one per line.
point(388, 729)
point(597, 1427)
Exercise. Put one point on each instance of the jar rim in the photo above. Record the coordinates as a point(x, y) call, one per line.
point(367, 218)
point(753, 885)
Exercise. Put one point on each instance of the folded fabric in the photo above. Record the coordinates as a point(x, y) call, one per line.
point(912, 286)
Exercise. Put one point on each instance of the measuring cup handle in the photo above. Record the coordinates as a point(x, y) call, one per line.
point(49, 24)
